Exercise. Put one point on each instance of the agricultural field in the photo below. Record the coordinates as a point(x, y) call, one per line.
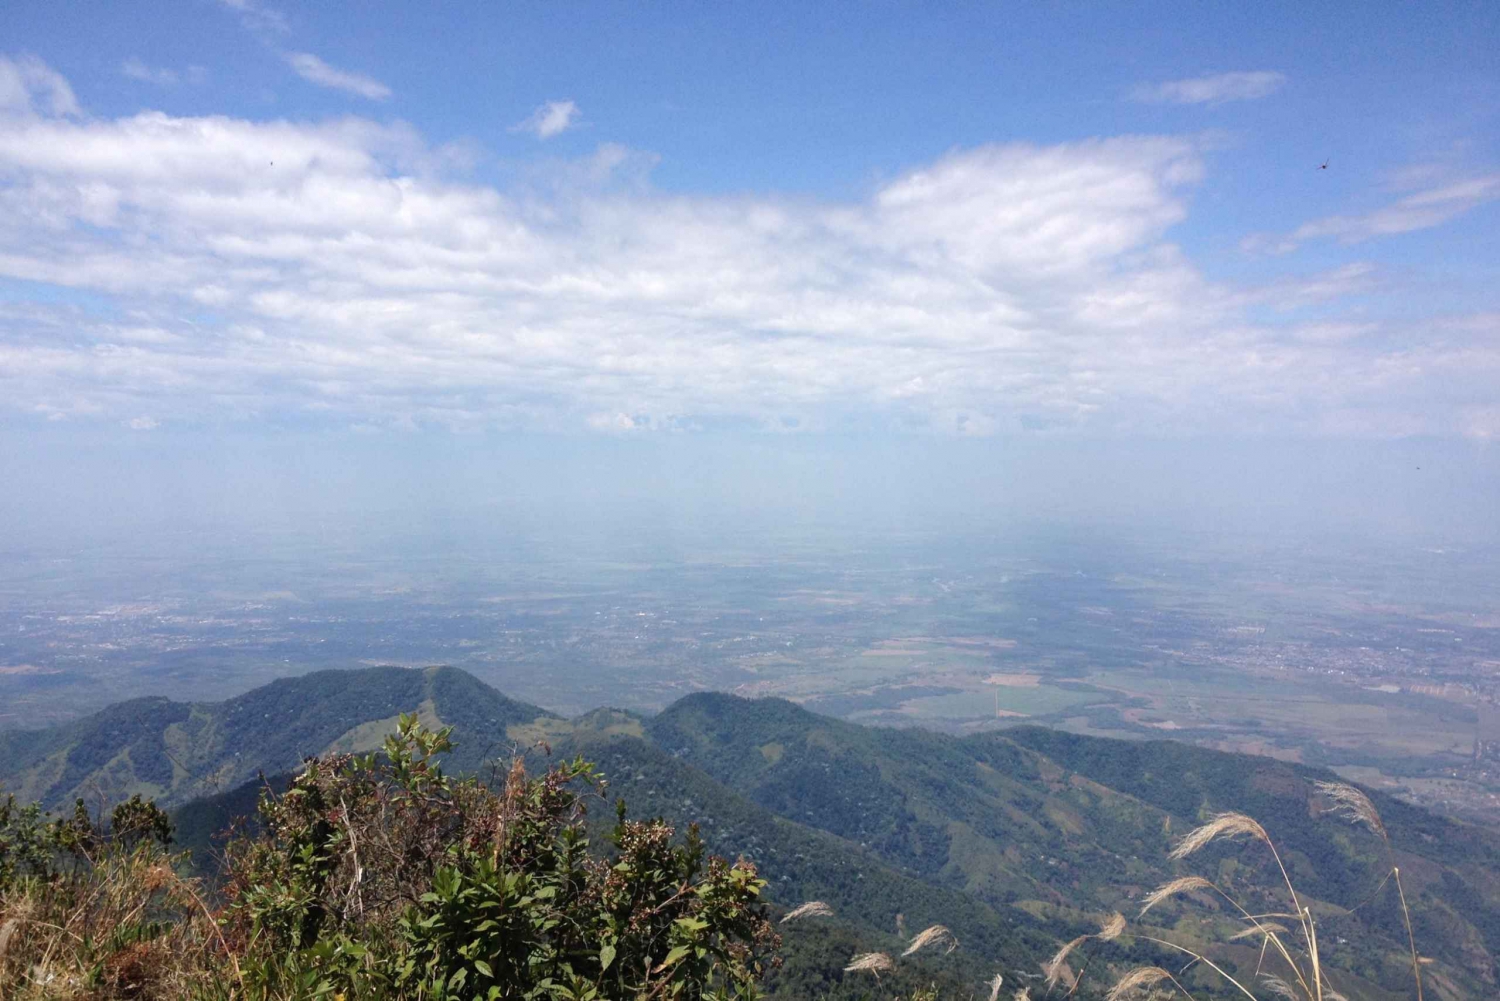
point(1305, 654)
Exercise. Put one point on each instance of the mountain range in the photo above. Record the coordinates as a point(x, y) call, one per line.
point(1016, 839)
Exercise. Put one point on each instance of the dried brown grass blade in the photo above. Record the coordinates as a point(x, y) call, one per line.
point(872, 962)
point(811, 909)
point(1142, 978)
point(1352, 805)
point(1053, 967)
point(1268, 928)
point(1224, 825)
point(1182, 884)
point(937, 934)
point(1279, 987)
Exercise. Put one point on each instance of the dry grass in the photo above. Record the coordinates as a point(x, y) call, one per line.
point(936, 935)
point(995, 985)
point(1303, 977)
point(1279, 987)
point(1183, 884)
point(1112, 927)
point(1264, 928)
point(131, 927)
point(1054, 967)
point(871, 962)
point(1142, 978)
point(1354, 806)
point(811, 909)
point(1225, 825)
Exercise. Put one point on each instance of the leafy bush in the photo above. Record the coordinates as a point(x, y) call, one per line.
point(381, 877)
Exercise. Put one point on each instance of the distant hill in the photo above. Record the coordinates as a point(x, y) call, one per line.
point(1016, 840)
point(176, 751)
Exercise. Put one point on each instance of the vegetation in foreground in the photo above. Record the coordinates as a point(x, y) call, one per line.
point(381, 877)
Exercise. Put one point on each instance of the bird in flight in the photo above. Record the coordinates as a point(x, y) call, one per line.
point(1324, 165)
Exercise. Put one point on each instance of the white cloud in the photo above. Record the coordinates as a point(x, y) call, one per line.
point(1214, 89)
point(995, 289)
point(551, 119)
point(258, 18)
point(1422, 210)
point(29, 86)
point(143, 424)
point(135, 69)
point(314, 70)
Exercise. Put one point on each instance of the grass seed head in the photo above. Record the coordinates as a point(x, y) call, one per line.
point(1352, 805)
point(1182, 884)
point(937, 934)
point(811, 909)
point(7, 930)
point(1224, 825)
point(1142, 978)
point(1054, 967)
point(1112, 927)
point(1279, 987)
point(871, 962)
point(995, 985)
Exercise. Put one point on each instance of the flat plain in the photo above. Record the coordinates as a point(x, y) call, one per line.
point(1385, 666)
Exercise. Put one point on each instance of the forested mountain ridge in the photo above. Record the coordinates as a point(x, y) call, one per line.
point(1016, 839)
point(176, 751)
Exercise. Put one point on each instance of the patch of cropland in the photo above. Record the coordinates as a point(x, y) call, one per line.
point(1016, 841)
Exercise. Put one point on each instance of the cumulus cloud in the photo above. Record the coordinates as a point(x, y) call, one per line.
point(314, 70)
point(29, 86)
point(1217, 88)
point(995, 289)
point(551, 119)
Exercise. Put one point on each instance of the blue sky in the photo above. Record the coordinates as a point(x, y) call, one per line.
point(1055, 219)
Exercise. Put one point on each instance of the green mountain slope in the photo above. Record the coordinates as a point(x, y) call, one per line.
point(174, 751)
point(1065, 827)
point(1015, 840)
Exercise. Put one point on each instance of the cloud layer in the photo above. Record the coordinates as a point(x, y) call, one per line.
point(1215, 89)
point(219, 269)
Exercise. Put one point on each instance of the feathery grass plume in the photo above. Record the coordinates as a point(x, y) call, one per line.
point(1170, 889)
point(1112, 927)
point(1264, 928)
point(1223, 825)
point(995, 986)
point(811, 909)
point(1352, 805)
point(1024, 994)
point(929, 936)
point(1279, 987)
point(1141, 978)
point(1053, 968)
point(873, 962)
point(6, 931)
